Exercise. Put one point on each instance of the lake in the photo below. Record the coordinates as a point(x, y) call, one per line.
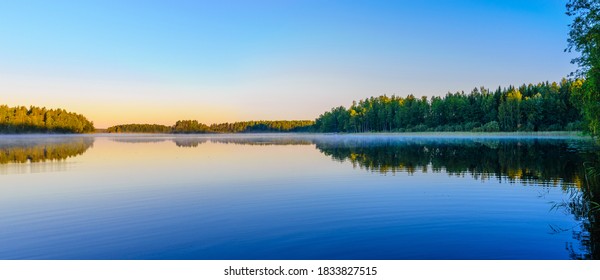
point(293, 196)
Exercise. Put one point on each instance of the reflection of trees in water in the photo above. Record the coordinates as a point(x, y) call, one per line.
point(189, 142)
point(556, 162)
point(22, 150)
point(584, 205)
point(192, 142)
point(552, 162)
point(138, 140)
point(588, 232)
point(180, 142)
point(263, 141)
point(530, 161)
point(548, 162)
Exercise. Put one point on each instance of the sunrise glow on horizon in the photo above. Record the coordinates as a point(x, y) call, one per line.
point(119, 62)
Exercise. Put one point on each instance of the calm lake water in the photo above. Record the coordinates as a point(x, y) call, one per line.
point(293, 196)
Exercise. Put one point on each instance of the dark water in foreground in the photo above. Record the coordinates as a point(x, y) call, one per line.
point(292, 197)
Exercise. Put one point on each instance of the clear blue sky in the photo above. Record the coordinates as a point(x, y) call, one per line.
point(160, 61)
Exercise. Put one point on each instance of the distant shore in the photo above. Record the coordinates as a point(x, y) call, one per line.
point(465, 134)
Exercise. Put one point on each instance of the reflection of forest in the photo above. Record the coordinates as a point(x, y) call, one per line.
point(547, 162)
point(262, 141)
point(539, 161)
point(189, 142)
point(138, 140)
point(192, 142)
point(527, 160)
point(22, 150)
point(584, 205)
point(552, 162)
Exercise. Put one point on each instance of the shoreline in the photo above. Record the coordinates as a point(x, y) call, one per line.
point(499, 133)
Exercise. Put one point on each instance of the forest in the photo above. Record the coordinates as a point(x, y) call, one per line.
point(541, 107)
point(42, 120)
point(139, 128)
point(193, 126)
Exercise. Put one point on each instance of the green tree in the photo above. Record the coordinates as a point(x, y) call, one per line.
point(41, 120)
point(509, 112)
point(534, 107)
point(584, 37)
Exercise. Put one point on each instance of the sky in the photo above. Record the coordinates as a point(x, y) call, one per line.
point(120, 62)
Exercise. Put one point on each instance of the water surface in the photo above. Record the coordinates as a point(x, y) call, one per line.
point(291, 196)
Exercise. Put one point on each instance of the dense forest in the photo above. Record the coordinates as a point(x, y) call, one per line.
point(542, 107)
point(42, 120)
point(139, 128)
point(584, 39)
point(193, 126)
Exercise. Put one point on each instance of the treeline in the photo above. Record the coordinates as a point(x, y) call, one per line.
point(263, 126)
point(42, 120)
point(139, 128)
point(542, 107)
point(193, 126)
